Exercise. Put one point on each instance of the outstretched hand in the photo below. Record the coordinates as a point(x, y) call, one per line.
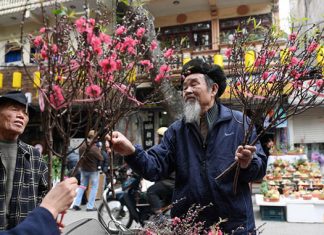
point(59, 198)
point(244, 155)
point(120, 144)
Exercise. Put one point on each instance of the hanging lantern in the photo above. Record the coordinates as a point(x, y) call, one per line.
point(218, 59)
point(1, 80)
point(185, 60)
point(132, 75)
point(284, 56)
point(16, 80)
point(249, 59)
point(320, 56)
point(227, 93)
point(37, 79)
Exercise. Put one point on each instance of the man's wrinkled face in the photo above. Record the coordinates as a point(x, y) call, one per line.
point(196, 88)
point(14, 119)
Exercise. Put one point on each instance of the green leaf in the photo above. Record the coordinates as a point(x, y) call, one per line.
point(125, 2)
point(57, 11)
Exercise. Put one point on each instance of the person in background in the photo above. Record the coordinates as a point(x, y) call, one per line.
point(160, 193)
point(105, 163)
point(199, 147)
point(89, 172)
point(72, 160)
point(42, 220)
point(267, 145)
point(23, 172)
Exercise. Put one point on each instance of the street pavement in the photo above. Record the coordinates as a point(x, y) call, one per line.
point(269, 227)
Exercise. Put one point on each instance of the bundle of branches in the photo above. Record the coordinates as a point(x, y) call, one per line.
point(90, 70)
point(283, 77)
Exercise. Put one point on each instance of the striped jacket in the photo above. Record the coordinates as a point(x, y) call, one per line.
point(29, 185)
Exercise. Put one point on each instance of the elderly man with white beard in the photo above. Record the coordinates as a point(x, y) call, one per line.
point(199, 147)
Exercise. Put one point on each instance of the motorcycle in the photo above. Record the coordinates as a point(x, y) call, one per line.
point(129, 205)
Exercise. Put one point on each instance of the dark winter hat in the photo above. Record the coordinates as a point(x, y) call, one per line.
point(17, 97)
point(213, 71)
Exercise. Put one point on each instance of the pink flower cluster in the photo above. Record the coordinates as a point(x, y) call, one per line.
point(95, 60)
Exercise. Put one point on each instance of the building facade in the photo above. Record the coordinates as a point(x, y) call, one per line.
point(196, 28)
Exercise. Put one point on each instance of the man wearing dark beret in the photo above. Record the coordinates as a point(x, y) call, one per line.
point(199, 147)
point(23, 172)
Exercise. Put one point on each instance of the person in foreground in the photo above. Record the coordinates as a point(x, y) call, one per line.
point(198, 148)
point(23, 172)
point(42, 220)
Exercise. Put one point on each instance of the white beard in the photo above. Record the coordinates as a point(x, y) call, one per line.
point(192, 111)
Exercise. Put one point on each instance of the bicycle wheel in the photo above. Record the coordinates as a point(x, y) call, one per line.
point(114, 216)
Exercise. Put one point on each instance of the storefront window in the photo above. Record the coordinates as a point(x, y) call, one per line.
point(194, 36)
point(227, 27)
point(13, 53)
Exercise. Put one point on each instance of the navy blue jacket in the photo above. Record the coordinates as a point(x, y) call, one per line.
point(197, 164)
point(40, 221)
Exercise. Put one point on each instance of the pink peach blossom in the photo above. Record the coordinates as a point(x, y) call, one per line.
point(108, 65)
point(80, 24)
point(44, 52)
point(120, 30)
point(153, 45)
point(271, 53)
point(164, 68)
point(54, 48)
point(105, 38)
point(176, 220)
point(294, 61)
point(265, 75)
point(93, 91)
point(228, 52)
point(92, 22)
point(158, 77)
point(140, 32)
point(130, 42)
point(38, 41)
point(292, 48)
point(56, 97)
point(312, 47)
point(147, 64)
point(42, 30)
point(273, 78)
point(292, 36)
point(168, 53)
point(131, 50)
point(319, 83)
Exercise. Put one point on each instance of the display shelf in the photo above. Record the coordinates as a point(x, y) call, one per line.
point(292, 210)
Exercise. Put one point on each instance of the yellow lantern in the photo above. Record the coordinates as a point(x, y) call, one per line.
point(16, 80)
point(185, 60)
point(227, 93)
point(37, 79)
point(320, 56)
point(284, 55)
point(1, 80)
point(249, 59)
point(132, 75)
point(218, 59)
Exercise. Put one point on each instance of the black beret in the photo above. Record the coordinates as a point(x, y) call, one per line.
point(213, 71)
